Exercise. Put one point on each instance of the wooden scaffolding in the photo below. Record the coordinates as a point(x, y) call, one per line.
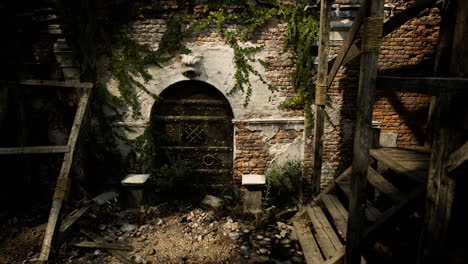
point(339, 237)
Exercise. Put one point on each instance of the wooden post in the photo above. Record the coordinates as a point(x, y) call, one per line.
point(449, 133)
point(371, 36)
point(60, 189)
point(321, 93)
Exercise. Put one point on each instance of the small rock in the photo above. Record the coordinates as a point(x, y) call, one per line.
point(267, 239)
point(246, 231)
point(285, 241)
point(299, 253)
point(259, 237)
point(150, 251)
point(293, 235)
point(97, 252)
point(102, 227)
point(263, 251)
point(212, 201)
point(159, 222)
point(234, 235)
point(128, 227)
point(296, 259)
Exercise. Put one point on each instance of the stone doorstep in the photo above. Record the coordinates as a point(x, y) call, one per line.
point(135, 179)
point(253, 179)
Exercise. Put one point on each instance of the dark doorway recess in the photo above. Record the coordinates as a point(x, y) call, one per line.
point(193, 121)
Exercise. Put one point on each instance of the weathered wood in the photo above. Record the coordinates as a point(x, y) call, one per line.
point(64, 171)
point(457, 158)
point(337, 212)
point(332, 185)
point(90, 244)
point(50, 83)
point(424, 85)
point(371, 212)
point(34, 150)
point(119, 255)
point(393, 211)
point(381, 156)
point(309, 246)
point(326, 237)
point(338, 258)
point(319, 117)
point(338, 62)
point(362, 143)
point(72, 217)
point(384, 186)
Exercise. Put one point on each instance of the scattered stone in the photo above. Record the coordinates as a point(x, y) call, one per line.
point(150, 252)
point(212, 201)
point(246, 231)
point(296, 259)
point(267, 239)
point(97, 252)
point(159, 222)
point(263, 251)
point(127, 227)
point(234, 235)
point(285, 241)
point(102, 227)
point(259, 237)
point(138, 259)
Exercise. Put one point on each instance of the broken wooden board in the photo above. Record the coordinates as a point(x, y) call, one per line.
point(337, 212)
point(327, 239)
point(116, 253)
point(309, 246)
point(75, 215)
point(384, 186)
point(90, 244)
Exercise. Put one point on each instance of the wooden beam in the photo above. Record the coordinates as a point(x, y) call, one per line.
point(319, 117)
point(34, 150)
point(384, 186)
point(347, 43)
point(309, 246)
point(332, 185)
point(104, 245)
point(424, 85)
point(362, 137)
point(49, 83)
point(392, 24)
point(119, 255)
point(457, 158)
point(64, 173)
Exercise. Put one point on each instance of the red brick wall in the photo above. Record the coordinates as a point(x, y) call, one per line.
point(407, 51)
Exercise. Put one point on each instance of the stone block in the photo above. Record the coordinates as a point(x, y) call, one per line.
point(388, 140)
point(253, 179)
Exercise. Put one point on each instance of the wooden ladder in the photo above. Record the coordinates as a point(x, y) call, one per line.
point(322, 225)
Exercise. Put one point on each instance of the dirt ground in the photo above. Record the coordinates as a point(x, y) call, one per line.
point(167, 233)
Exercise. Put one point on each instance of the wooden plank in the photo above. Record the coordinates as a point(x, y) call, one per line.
point(424, 85)
point(90, 244)
point(119, 255)
point(319, 115)
point(371, 212)
point(309, 246)
point(338, 258)
point(394, 210)
point(337, 212)
point(64, 173)
point(457, 157)
point(381, 156)
point(34, 150)
point(338, 62)
point(326, 236)
point(50, 83)
point(72, 217)
point(384, 186)
point(346, 174)
point(359, 205)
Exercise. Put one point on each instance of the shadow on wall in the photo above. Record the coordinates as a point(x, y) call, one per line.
point(410, 112)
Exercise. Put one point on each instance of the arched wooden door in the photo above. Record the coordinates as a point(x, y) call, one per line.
point(195, 120)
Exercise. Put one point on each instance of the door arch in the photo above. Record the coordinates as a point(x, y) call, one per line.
point(195, 120)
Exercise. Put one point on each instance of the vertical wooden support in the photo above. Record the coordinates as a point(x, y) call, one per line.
point(321, 93)
point(371, 36)
point(448, 133)
point(62, 187)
